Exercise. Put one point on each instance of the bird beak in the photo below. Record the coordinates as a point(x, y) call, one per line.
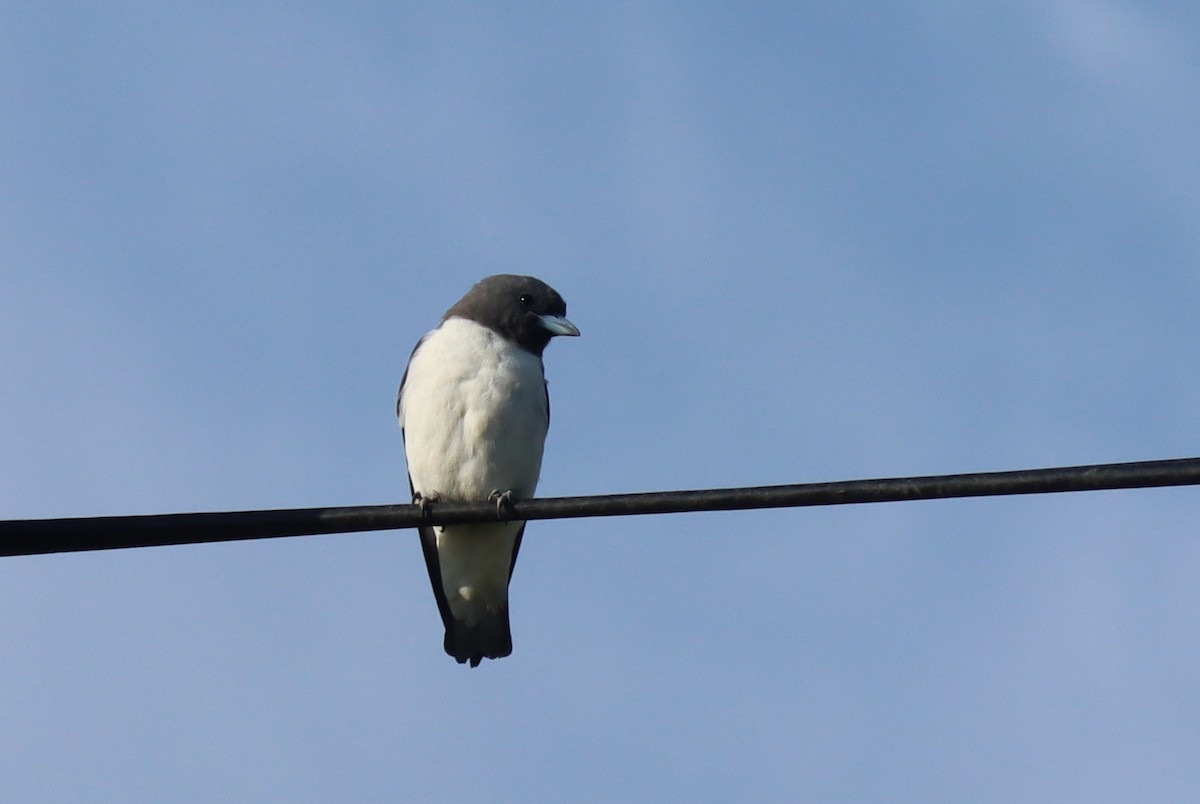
point(557, 325)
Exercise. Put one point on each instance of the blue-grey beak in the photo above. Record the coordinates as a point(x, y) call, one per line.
point(557, 325)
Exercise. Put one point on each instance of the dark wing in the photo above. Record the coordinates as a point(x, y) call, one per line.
point(403, 379)
point(516, 549)
point(521, 532)
point(434, 567)
point(428, 539)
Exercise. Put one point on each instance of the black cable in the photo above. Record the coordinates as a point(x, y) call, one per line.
point(36, 536)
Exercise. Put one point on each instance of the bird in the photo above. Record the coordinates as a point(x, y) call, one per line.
point(474, 409)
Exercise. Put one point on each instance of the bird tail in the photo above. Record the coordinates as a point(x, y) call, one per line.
point(490, 638)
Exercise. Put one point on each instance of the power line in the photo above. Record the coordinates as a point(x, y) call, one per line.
point(38, 536)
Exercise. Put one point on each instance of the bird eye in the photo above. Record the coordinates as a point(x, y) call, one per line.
point(526, 300)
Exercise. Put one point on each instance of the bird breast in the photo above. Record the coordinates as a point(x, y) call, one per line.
point(474, 414)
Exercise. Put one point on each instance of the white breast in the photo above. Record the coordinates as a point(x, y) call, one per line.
point(474, 414)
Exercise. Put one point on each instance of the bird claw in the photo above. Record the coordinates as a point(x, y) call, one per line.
point(503, 500)
point(422, 501)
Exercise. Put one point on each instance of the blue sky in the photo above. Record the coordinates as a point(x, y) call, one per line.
point(802, 243)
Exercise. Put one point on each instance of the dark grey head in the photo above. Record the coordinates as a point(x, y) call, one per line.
point(523, 309)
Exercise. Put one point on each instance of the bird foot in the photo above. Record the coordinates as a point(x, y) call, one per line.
point(503, 500)
point(422, 501)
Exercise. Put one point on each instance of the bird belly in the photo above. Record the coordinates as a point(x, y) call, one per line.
point(475, 562)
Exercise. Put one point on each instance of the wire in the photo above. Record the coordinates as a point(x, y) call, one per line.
point(39, 536)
